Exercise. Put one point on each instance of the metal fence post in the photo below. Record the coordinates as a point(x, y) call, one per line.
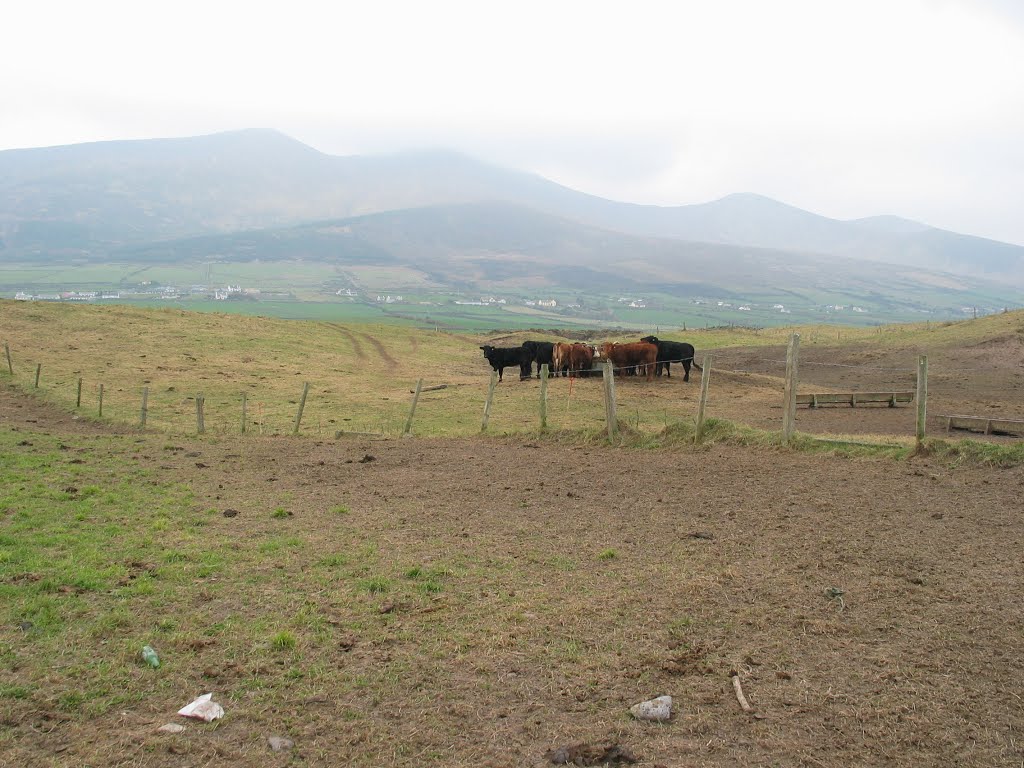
point(544, 396)
point(705, 378)
point(922, 397)
point(609, 400)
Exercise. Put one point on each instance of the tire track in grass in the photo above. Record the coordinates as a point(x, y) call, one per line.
point(357, 347)
point(381, 350)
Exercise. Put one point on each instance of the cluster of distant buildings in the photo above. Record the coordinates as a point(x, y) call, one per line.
point(67, 296)
point(145, 291)
point(489, 301)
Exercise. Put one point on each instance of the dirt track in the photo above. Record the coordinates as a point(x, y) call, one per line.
point(922, 663)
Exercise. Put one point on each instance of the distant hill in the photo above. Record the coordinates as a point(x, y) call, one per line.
point(85, 200)
point(500, 247)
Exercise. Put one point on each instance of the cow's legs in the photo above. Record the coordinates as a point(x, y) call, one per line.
point(686, 369)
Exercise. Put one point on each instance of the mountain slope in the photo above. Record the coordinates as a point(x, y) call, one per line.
point(500, 246)
point(82, 200)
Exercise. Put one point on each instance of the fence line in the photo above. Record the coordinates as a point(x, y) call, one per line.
point(609, 397)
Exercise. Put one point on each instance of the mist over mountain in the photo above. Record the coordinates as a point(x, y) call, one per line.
point(96, 200)
point(505, 248)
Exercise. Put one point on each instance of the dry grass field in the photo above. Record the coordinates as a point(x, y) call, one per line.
point(362, 376)
point(457, 600)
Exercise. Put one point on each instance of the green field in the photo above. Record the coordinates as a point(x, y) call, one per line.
point(311, 288)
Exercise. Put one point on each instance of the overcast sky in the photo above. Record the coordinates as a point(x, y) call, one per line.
point(848, 109)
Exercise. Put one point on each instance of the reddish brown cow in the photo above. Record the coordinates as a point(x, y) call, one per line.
point(581, 358)
point(571, 359)
point(561, 358)
point(640, 354)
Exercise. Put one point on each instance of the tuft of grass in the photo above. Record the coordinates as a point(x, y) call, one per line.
point(283, 641)
point(970, 452)
point(607, 554)
point(340, 509)
point(14, 691)
point(377, 585)
point(280, 513)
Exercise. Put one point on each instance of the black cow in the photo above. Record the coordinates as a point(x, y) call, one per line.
point(673, 352)
point(541, 351)
point(501, 358)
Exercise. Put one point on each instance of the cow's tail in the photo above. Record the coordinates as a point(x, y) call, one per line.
point(695, 364)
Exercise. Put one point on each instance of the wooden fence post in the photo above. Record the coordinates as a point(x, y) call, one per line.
point(7, 351)
point(243, 412)
point(78, 399)
point(302, 406)
point(39, 367)
point(705, 378)
point(489, 400)
point(101, 400)
point(407, 432)
point(609, 401)
point(200, 421)
point(544, 396)
point(922, 397)
point(792, 380)
point(145, 408)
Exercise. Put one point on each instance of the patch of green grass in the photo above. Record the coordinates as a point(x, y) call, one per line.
point(283, 641)
point(976, 452)
point(607, 554)
point(429, 587)
point(14, 691)
point(280, 513)
point(376, 585)
point(340, 509)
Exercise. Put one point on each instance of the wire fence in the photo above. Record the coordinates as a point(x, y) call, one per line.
point(746, 389)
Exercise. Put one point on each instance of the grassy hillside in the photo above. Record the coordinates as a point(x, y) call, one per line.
point(361, 375)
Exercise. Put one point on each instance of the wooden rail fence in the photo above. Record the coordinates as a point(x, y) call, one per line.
point(984, 424)
point(853, 399)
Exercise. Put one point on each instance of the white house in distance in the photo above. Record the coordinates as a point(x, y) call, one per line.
point(549, 303)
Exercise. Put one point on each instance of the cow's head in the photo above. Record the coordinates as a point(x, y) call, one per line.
point(650, 339)
point(487, 348)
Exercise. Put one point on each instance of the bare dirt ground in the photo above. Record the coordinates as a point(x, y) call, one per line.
point(719, 561)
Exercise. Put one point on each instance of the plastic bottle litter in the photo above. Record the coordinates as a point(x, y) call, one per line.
point(149, 656)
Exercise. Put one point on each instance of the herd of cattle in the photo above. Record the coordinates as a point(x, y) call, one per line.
point(647, 357)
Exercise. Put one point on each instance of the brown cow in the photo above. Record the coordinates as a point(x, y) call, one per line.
point(561, 358)
point(581, 359)
point(639, 354)
point(571, 359)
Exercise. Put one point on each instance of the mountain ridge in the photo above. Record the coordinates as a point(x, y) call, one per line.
point(84, 200)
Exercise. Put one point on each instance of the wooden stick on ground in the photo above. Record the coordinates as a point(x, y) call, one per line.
point(744, 705)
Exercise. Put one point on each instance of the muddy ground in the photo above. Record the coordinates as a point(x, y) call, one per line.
point(720, 561)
